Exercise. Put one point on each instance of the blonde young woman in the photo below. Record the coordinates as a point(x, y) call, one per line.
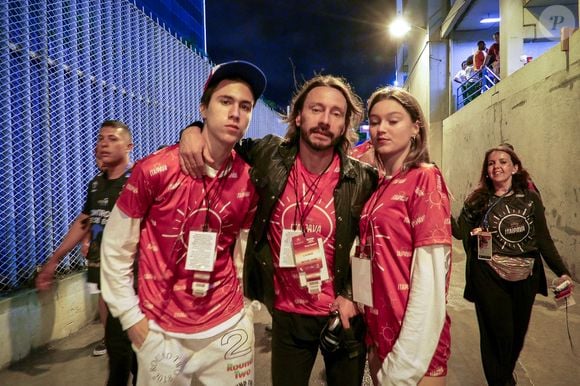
point(405, 236)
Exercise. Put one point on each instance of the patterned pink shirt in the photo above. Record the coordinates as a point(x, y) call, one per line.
point(364, 152)
point(406, 212)
point(172, 204)
point(320, 219)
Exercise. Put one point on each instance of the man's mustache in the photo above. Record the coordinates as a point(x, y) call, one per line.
point(321, 130)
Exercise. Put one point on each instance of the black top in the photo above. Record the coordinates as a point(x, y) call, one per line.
point(102, 194)
point(511, 221)
point(518, 226)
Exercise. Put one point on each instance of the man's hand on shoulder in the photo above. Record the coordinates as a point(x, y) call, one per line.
point(191, 150)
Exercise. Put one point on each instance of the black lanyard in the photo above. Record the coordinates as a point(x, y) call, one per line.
point(485, 221)
point(311, 189)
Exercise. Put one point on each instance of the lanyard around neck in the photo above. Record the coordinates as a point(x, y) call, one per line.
point(384, 183)
point(212, 191)
point(485, 221)
point(312, 190)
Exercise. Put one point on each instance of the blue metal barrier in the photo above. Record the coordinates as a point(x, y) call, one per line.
point(66, 66)
point(476, 84)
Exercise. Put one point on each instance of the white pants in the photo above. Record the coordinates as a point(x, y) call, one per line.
point(225, 359)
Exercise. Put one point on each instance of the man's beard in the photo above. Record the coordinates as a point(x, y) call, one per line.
point(304, 134)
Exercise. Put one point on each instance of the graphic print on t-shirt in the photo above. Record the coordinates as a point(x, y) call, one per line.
point(195, 220)
point(171, 205)
point(405, 213)
point(513, 226)
point(323, 211)
point(307, 206)
point(101, 198)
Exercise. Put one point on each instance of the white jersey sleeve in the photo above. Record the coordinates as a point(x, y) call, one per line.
point(424, 318)
point(118, 251)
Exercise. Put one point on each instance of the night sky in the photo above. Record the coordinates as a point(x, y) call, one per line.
point(291, 40)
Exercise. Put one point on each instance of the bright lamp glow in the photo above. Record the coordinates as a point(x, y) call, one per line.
point(399, 27)
point(488, 20)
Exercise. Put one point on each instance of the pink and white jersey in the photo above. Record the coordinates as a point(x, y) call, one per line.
point(316, 200)
point(409, 211)
point(171, 205)
point(364, 152)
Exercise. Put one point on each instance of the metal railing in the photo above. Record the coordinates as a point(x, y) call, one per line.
point(476, 84)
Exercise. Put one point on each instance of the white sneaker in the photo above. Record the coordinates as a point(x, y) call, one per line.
point(100, 349)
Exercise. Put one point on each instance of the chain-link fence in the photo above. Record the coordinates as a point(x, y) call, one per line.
point(66, 66)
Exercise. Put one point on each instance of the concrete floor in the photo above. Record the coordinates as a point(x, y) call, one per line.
point(547, 359)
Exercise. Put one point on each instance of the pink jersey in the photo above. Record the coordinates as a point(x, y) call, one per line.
point(171, 205)
point(407, 212)
point(364, 152)
point(360, 149)
point(478, 60)
point(320, 219)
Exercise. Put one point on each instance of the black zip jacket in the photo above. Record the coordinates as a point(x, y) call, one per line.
point(271, 159)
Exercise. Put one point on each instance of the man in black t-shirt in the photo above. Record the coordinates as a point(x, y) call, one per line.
point(114, 145)
point(102, 194)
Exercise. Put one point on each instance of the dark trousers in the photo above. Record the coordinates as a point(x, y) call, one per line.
point(122, 359)
point(295, 343)
point(472, 90)
point(503, 313)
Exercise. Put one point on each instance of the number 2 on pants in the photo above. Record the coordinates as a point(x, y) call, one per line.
point(236, 340)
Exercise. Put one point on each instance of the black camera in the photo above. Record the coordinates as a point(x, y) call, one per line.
point(330, 336)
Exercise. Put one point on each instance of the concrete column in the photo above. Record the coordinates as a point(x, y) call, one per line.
point(427, 59)
point(438, 64)
point(511, 36)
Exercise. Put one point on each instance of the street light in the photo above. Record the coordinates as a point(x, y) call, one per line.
point(399, 27)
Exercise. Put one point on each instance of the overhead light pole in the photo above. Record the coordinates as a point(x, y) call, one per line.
point(398, 28)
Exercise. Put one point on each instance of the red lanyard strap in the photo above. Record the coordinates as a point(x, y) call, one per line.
point(384, 183)
point(212, 194)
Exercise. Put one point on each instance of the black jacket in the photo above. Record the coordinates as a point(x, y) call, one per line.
point(542, 244)
point(271, 159)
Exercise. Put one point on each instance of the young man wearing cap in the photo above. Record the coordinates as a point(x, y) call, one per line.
point(188, 319)
point(297, 261)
